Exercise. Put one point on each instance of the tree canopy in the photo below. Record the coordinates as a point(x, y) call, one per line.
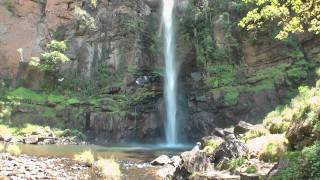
point(291, 16)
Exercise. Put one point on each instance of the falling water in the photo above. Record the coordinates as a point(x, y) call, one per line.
point(171, 74)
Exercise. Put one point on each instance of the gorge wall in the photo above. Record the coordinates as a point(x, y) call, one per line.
point(226, 75)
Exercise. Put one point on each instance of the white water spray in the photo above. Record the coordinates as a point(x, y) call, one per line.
point(171, 74)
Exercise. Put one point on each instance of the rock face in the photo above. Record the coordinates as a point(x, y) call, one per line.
point(26, 24)
point(121, 52)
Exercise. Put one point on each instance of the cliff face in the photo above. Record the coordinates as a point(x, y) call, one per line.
point(116, 52)
point(28, 25)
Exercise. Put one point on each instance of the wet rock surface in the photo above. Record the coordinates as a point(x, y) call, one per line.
point(31, 167)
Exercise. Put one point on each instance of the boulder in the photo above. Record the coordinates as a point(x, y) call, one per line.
point(242, 127)
point(161, 160)
point(15, 140)
point(258, 146)
point(301, 134)
point(219, 132)
point(32, 139)
point(167, 171)
point(195, 161)
point(5, 138)
point(176, 161)
point(229, 150)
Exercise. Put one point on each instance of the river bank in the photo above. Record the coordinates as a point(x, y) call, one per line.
point(32, 167)
point(45, 160)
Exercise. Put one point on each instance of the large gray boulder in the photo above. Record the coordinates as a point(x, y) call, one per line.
point(195, 161)
point(161, 160)
point(242, 127)
point(228, 150)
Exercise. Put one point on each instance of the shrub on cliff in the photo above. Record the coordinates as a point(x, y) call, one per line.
point(211, 145)
point(50, 60)
point(86, 157)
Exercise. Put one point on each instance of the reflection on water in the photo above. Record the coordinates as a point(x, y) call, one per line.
point(136, 153)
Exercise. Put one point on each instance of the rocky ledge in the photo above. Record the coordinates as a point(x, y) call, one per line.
point(44, 135)
point(246, 152)
point(31, 167)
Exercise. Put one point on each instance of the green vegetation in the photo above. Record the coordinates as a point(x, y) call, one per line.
point(109, 169)
point(5, 130)
point(94, 3)
point(231, 96)
point(13, 150)
point(211, 145)
point(290, 16)
point(50, 60)
point(84, 19)
point(235, 163)
point(302, 164)
point(86, 157)
point(1, 148)
point(272, 152)
point(24, 94)
point(257, 131)
point(52, 98)
point(275, 122)
point(251, 169)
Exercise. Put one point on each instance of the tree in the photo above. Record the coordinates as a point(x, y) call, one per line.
point(50, 61)
point(291, 16)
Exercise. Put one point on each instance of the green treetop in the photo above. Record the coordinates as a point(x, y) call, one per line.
point(292, 16)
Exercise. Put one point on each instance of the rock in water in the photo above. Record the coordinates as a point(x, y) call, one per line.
point(161, 160)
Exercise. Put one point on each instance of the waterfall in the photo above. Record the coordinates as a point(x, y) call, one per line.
point(170, 74)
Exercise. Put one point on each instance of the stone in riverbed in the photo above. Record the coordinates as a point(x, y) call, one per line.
point(161, 160)
point(32, 139)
